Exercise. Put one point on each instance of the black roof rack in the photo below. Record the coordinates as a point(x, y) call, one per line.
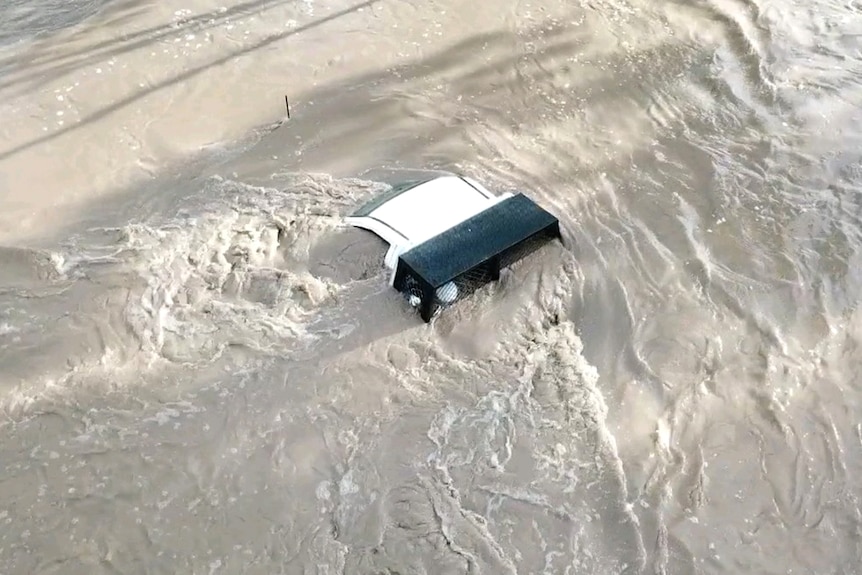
point(461, 259)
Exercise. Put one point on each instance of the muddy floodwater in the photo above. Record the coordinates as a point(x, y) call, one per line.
point(204, 371)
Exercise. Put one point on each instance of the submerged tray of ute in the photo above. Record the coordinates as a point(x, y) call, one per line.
point(448, 236)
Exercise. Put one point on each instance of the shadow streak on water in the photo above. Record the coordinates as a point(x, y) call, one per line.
point(23, 20)
point(181, 77)
point(37, 69)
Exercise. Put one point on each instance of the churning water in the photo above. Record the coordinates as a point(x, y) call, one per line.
point(203, 371)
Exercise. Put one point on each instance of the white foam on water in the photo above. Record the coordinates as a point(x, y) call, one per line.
point(231, 271)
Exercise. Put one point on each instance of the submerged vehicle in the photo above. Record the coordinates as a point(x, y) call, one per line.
point(448, 235)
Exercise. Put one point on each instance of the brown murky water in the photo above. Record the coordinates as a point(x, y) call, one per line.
point(203, 371)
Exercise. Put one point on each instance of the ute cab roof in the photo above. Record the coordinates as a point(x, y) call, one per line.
point(415, 211)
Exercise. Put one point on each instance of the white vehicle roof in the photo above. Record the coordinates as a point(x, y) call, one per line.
point(414, 212)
